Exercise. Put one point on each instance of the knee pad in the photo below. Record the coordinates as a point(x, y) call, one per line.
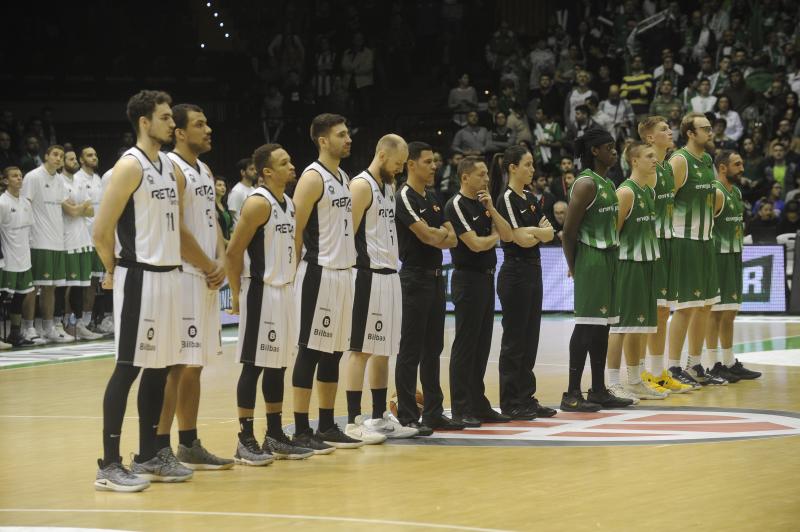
point(304, 366)
point(328, 370)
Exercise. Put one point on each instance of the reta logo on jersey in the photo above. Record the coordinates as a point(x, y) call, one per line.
point(386, 213)
point(341, 203)
point(204, 191)
point(285, 229)
point(164, 193)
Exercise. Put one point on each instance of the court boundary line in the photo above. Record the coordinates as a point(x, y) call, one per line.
point(262, 515)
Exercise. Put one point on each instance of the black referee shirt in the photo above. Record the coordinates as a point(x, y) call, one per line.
point(469, 215)
point(411, 208)
point(519, 212)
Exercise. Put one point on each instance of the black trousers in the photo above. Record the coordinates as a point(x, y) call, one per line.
point(421, 342)
point(519, 286)
point(473, 297)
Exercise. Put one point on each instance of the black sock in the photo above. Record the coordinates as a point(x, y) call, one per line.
point(378, 402)
point(325, 419)
point(162, 440)
point(114, 402)
point(301, 422)
point(578, 347)
point(246, 426)
point(353, 405)
point(274, 428)
point(150, 400)
point(187, 437)
point(598, 350)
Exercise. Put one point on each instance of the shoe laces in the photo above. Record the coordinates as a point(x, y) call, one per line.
point(251, 444)
point(121, 470)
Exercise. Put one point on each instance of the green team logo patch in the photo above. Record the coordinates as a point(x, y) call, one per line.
point(757, 279)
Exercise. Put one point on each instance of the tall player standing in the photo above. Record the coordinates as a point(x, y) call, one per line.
point(203, 254)
point(728, 234)
point(137, 236)
point(377, 301)
point(693, 271)
point(323, 285)
point(267, 328)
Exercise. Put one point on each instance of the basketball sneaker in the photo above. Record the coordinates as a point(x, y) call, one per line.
point(541, 410)
point(723, 372)
point(665, 380)
point(574, 402)
point(282, 448)
point(106, 326)
point(606, 399)
point(248, 452)
point(619, 391)
point(334, 436)
point(58, 335)
point(390, 427)
point(650, 380)
point(198, 458)
point(114, 477)
point(33, 336)
point(643, 391)
point(309, 440)
point(361, 431)
point(17, 339)
point(682, 376)
point(744, 373)
point(699, 374)
point(82, 333)
point(163, 467)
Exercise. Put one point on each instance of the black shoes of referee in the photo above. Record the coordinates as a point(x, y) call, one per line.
point(442, 423)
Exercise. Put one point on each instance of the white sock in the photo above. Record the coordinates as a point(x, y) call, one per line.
point(27, 324)
point(59, 320)
point(656, 364)
point(727, 357)
point(87, 318)
point(713, 355)
point(694, 360)
point(634, 375)
point(613, 376)
point(642, 369)
point(47, 325)
point(37, 322)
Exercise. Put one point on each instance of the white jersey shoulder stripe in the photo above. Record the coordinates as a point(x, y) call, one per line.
point(404, 196)
point(461, 214)
point(507, 198)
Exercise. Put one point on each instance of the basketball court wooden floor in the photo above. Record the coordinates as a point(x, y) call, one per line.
point(718, 459)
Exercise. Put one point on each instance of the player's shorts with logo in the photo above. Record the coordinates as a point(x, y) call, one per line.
point(729, 274)
point(147, 316)
point(98, 269)
point(78, 265)
point(48, 267)
point(16, 282)
point(200, 325)
point(267, 324)
point(324, 307)
point(693, 273)
point(634, 299)
point(594, 278)
point(377, 313)
point(665, 292)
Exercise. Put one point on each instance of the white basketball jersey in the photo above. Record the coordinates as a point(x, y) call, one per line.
point(95, 193)
point(271, 252)
point(376, 238)
point(199, 210)
point(76, 233)
point(16, 219)
point(148, 230)
point(328, 236)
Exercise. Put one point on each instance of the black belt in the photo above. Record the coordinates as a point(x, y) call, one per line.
point(125, 263)
point(437, 272)
point(381, 271)
point(533, 261)
point(485, 271)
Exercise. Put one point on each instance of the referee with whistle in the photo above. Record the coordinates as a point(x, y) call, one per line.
point(422, 235)
point(478, 226)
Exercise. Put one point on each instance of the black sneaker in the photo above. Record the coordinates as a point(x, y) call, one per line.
point(492, 416)
point(283, 448)
point(680, 375)
point(605, 399)
point(334, 436)
point(699, 373)
point(422, 429)
point(541, 410)
point(309, 440)
point(574, 402)
point(742, 372)
point(720, 370)
point(16, 339)
point(467, 421)
point(523, 413)
point(442, 423)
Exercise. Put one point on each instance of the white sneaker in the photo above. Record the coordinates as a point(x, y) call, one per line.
point(643, 391)
point(106, 326)
point(33, 336)
point(58, 335)
point(389, 426)
point(82, 333)
point(360, 431)
point(618, 390)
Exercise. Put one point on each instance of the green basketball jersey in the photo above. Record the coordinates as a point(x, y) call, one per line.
point(637, 238)
point(728, 225)
point(665, 199)
point(599, 226)
point(693, 216)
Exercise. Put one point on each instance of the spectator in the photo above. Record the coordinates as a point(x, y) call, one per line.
point(760, 77)
point(764, 227)
point(720, 80)
point(463, 99)
point(775, 197)
point(224, 217)
point(272, 114)
point(7, 155)
point(706, 70)
point(790, 218)
point(486, 117)
point(546, 97)
point(447, 177)
point(543, 196)
point(500, 46)
point(324, 65)
point(541, 60)
point(518, 123)
point(674, 120)
point(286, 51)
point(560, 187)
point(753, 177)
point(548, 138)
point(602, 82)
point(740, 61)
point(31, 158)
point(582, 122)
point(738, 92)
point(568, 67)
point(559, 215)
point(127, 143)
point(577, 96)
point(620, 110)
point(600, 118)
point(669, 71)
point(704, 102)
point(777, 169)
point(664, 100)
point(789, 102)
point(501, 136)
point(358, 67)
point(734, 128)
point(637, 87)
point(248, 180)
point(720, 137)
point(508, 97)
point(784, 132)
point(727, 46)
point(472, 139)
point(699, 39)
